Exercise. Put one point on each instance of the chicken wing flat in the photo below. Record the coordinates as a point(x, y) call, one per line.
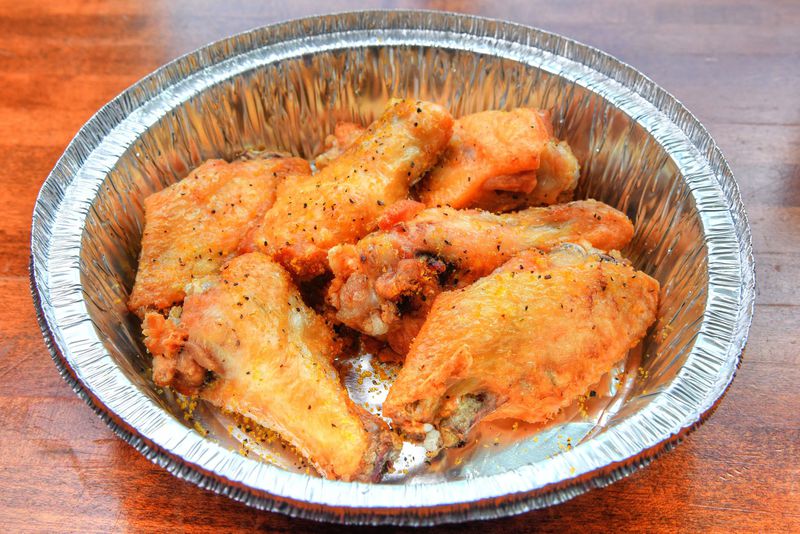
point(342, 202)
point(502, 160)
point(521, 343)
point(272, 360)
point(385, 284)
point(194, 226)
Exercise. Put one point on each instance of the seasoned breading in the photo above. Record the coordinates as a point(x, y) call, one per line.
point(194, 226)
point(342, 202)
point(272, 361)
point(521, 343)
point(385, 284)
point(495, 161)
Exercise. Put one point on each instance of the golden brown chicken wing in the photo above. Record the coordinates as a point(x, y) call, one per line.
point(194, 226)
point(342, 202)
point(521, 343)
point(556, 179)
point(384, 285)
point(271, 357)
point(502, 160)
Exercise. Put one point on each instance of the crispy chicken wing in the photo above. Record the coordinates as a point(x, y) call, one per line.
point(556, 179)
point(272, 357)
point(502, 160)
point(342, 202)
point(521, 343)
point(384, 285)
point(194, 226)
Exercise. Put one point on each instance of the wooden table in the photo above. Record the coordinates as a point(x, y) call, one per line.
point(736, 65)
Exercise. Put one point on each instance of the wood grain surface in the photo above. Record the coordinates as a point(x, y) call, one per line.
point(735, 64)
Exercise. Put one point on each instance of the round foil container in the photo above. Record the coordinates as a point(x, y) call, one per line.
point(283, 87)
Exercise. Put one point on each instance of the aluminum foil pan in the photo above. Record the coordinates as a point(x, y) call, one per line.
point(283, 88)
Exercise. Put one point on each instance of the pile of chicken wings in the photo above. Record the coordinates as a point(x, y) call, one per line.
point(452, 242)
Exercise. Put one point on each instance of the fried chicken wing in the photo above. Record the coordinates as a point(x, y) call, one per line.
point(502, 160)
point(194, 226)
point(385, 284)
point(521, 343)
point(556, 179)
point(272, 360)
point(342, 202)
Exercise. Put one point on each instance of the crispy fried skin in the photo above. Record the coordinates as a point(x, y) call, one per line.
point(489, 150)
point(194, 226)
point(183, 370)
point(344, 135)
point(273, 359)
point(342, 202)
point(501, 160)
point(482, 168)
point(556, 179)
point(385, 284)
point(521, 343)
